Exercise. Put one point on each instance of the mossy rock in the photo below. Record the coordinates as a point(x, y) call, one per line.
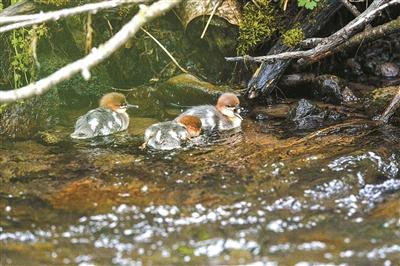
point(194, 83)
point(379, 99)
point(53, 136)
point(292, 37)
point(187, 89)
point(23, 119)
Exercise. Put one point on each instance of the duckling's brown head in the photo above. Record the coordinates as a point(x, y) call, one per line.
point(192, 124)
point(115, 101)
point(228, 105)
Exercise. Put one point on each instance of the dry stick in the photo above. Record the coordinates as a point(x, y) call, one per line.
point(165, 50)
point(391, 109)
point(210, 18)
point(20, 7)
point(365, 37)
point(96, 56)
point(332, 41)
point(28, 20)
point(354, 10)
point(89, 34)
point(285, 5)
point(351, 8)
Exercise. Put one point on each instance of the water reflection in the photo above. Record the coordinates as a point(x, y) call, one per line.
point(251, 197)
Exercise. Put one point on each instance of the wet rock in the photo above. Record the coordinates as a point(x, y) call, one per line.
point(186, 89)
point(332, 89)
point(191, 82)
point(387, 70)
point(306, 115)
point(25, 119)
point(168, 99)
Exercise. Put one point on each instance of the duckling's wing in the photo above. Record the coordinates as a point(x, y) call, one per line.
point(151, 131)
point(208, 115)
point(90, 124)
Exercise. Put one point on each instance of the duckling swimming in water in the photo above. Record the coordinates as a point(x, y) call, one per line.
point(171, 134)
point(224, 116)
point(110, 117)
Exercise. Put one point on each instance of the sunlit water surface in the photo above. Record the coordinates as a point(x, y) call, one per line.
point(256, 197)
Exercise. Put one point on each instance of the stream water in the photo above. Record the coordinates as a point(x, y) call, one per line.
point(262, 196)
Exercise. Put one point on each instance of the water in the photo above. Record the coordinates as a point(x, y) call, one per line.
point(255, 197)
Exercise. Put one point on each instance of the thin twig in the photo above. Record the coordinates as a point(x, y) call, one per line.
point(96, 56)
point(210, 18)
point(28, 20)
point(165, 50)
point(358, 39)
point(89, 34)
point(351, 8)
point(354, 10)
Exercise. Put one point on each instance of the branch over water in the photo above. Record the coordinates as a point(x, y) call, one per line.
point(96, 56)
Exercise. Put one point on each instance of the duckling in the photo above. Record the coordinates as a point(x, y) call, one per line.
point(224, 116)
point(171, 134)
point(110, 117)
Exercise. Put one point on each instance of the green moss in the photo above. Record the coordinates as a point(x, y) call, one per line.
point(22, 65)
point(185, 251)
point(52, 2)
point(57, 3)
point(258, 25)
point(3, 107)
point(292, 37)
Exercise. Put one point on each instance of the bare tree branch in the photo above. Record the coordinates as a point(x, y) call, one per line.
point(353, 10)
point(97, 55)
point(330, 42)
point(364, 37)
point(28, 20)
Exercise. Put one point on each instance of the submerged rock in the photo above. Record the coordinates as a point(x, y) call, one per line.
point(276, 111)
point(306, 115)
point(53, 136)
